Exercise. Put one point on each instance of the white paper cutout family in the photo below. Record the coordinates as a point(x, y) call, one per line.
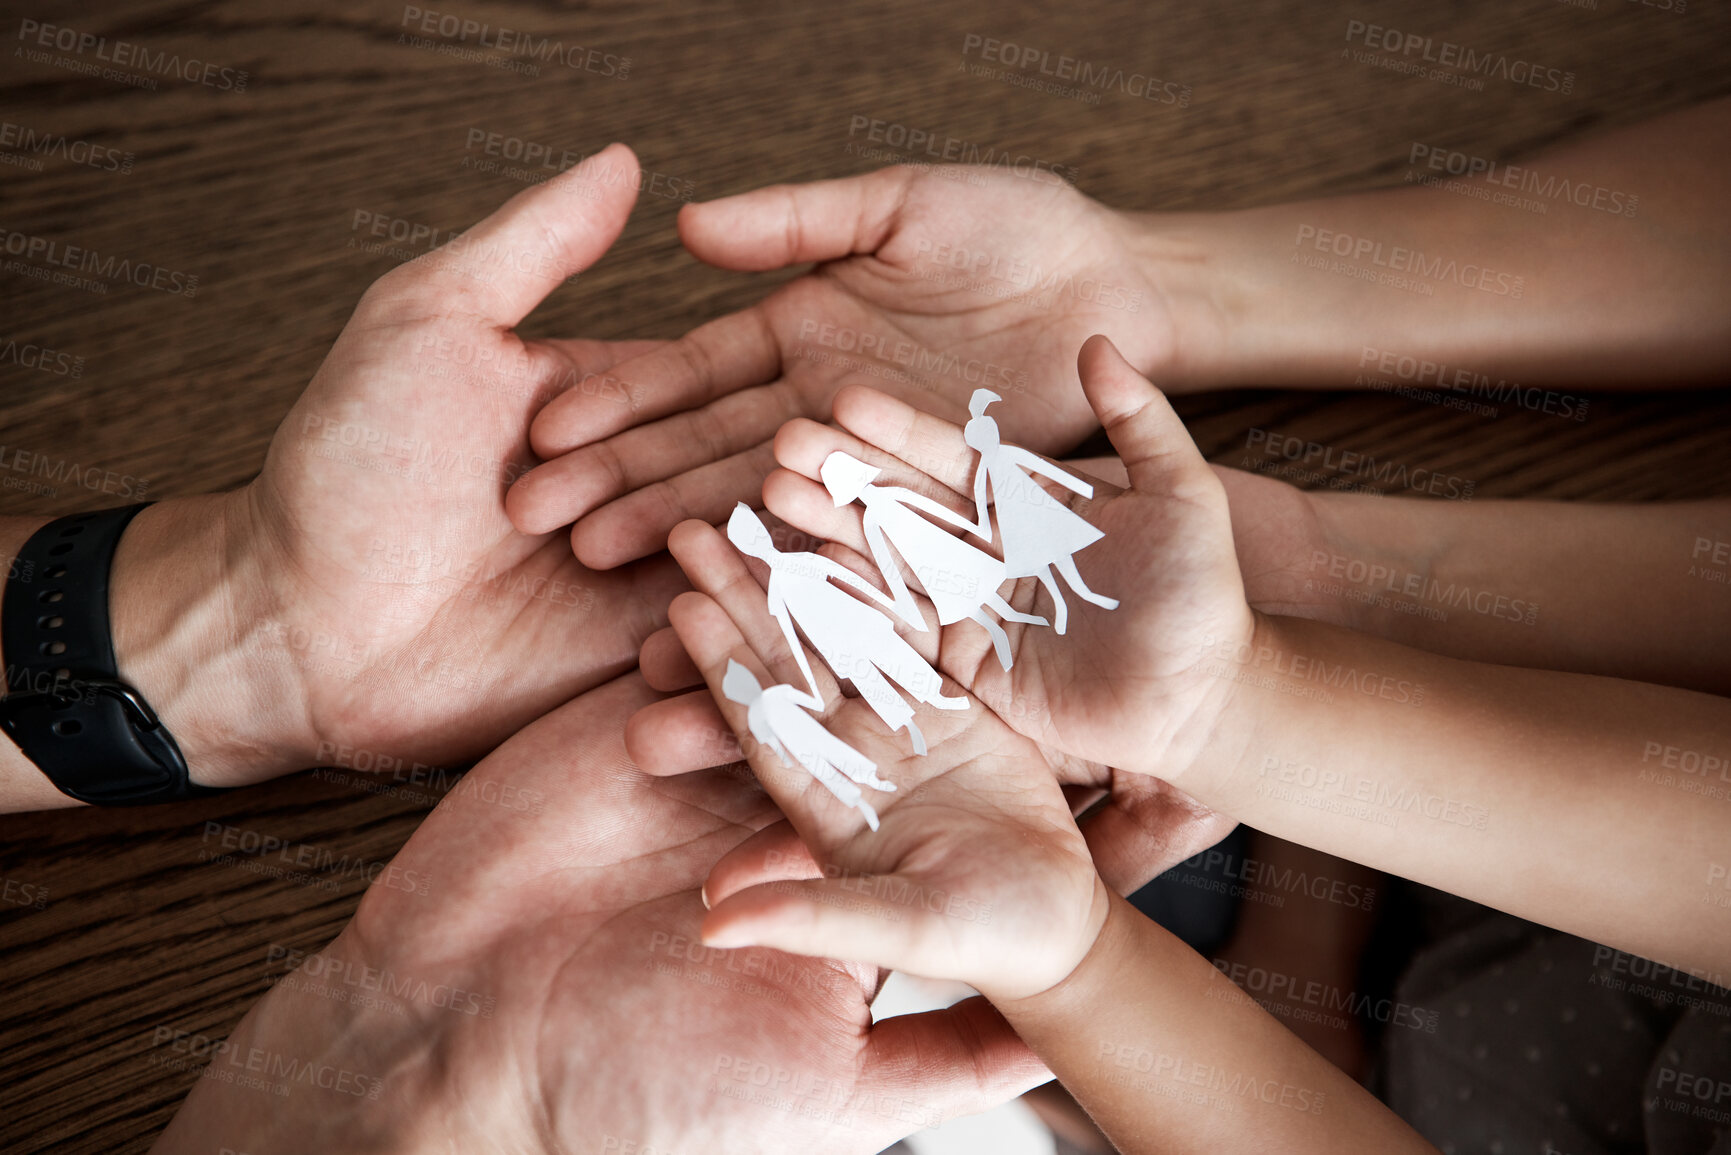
point(858, 642)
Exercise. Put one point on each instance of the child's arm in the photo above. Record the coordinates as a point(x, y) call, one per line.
point(978, 872)
point(1168, 1055)
point(1627, 591)
point(1582, 802)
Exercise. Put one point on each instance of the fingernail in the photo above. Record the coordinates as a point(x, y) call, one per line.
point(704, 895)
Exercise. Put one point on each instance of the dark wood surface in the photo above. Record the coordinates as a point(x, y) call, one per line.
point(255, 193)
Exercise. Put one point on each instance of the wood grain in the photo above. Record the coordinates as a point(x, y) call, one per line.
point(255, 192)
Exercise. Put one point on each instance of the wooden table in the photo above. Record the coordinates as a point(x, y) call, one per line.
point(256, 192)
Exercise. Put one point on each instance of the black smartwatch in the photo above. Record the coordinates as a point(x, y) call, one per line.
point(66, 707)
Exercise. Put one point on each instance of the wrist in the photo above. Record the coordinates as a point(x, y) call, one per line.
point(1185, 256)
point(1097, 975)
point(188, 605)
point(1067, 959)
point(306, 1070)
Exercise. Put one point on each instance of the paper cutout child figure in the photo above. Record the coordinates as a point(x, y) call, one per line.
point(777, 717)
point(856, 641)
point(1037, 530)
point(960, 579)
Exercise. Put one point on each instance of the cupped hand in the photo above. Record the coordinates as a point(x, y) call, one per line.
point(377, 567)
point(1139, 687)
point(977, 871)
point(548, 991)
point(931, 283)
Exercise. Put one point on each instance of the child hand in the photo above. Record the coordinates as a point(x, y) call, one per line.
point(1131, 687)
point(978, 871)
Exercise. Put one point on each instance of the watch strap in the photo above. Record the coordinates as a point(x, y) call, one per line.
point(66, 706)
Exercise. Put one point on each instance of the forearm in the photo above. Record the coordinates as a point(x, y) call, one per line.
point(1626, 591)
point(1462, 287)
point(1515, 788)
point(303, 1072)
point(1167, 1055)
point(186, 635)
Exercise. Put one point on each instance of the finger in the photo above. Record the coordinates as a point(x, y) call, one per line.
point(680, 735)
point(773, 854)
point(789, 224)
point(665, 664)
point(637, 524)
point(660, 457)
point(929, 444)
point(960, 1061)
point(710, 362)
point(713, 641)
point(824, 918)
point(583, 364)
point(1155, 447)
point(507, 264)
point(718, 570)
point(802, 445)
point(806, 506)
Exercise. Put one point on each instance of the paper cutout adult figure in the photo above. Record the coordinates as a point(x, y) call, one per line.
point(960, 579)
point(855, 640)
point(1037, 531)
point(777, 717)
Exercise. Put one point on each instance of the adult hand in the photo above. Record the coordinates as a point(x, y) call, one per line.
point(580, 1013)
point(933, 283)
point(367, 590)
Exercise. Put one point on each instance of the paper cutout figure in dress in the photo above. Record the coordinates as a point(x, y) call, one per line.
point(1037, 531)
point(856, 641)
point(777, 718)
point(960, 579)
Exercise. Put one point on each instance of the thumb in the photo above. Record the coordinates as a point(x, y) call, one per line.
point(822, 918)
point(1150, 439)
point(504, 266)
point(941, 1064)
point(790, 224)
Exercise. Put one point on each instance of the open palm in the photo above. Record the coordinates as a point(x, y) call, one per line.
point(932, 283)
point(977, 872)
point(380, 564)
point(587, 1006)
point(1136, 687)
